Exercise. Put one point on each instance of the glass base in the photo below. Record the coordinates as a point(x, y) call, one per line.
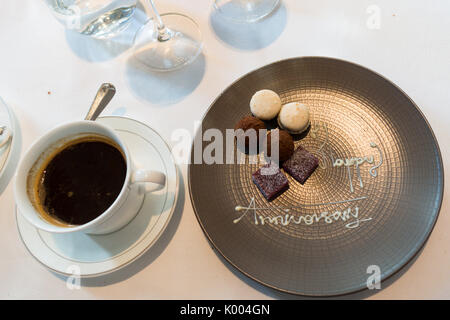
point(183, 44)
point(245, 10)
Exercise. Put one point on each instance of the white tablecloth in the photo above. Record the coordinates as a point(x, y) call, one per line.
point(49, 76)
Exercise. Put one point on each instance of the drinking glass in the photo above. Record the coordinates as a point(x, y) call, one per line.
point(245, 10)
point(96, 18)
point(168, 41)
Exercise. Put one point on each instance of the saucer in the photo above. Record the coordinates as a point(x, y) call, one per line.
point(96, 255)
point(6, 120)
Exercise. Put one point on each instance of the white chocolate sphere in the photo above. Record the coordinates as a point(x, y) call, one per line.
point(265, 104)
point(294, 117)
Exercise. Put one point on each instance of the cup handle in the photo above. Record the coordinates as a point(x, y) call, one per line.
point(153, 180)
point(5, 137)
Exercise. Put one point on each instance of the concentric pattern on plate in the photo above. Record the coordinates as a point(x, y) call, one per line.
point(354, 113)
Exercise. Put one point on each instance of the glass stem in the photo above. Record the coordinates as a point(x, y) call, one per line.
point(163, 33)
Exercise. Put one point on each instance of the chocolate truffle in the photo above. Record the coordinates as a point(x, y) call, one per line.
point(248, 123)
point(285, 143)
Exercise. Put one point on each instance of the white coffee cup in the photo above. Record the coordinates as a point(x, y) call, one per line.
point(124, 208)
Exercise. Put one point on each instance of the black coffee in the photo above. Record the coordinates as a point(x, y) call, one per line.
point(81, 181)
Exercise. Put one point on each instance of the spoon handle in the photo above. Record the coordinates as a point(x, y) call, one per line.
point(6, 135)
point(103, 97)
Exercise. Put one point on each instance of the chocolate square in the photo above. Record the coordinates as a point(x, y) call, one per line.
point(301, 164)
point(270, 181)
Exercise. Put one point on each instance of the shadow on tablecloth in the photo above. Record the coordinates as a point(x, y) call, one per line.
point(249, 36)
point(164, 88)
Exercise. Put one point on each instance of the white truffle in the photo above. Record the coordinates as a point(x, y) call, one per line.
point(294, 117)
point(265, 104)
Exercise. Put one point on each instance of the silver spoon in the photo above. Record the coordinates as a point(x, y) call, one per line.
point(5, 139)
point(103, 97)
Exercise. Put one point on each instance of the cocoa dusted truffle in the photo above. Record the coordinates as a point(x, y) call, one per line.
point(248, 123)
point(285, 142)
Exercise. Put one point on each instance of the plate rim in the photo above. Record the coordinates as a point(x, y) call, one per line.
point(107, 272)
point(391, 272)
point(13, 128)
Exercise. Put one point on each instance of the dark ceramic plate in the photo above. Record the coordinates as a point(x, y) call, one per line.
point(361, 216)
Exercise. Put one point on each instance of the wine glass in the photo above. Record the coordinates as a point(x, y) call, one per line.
point(245, 10)
point(167, 41)
point(97, 18)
